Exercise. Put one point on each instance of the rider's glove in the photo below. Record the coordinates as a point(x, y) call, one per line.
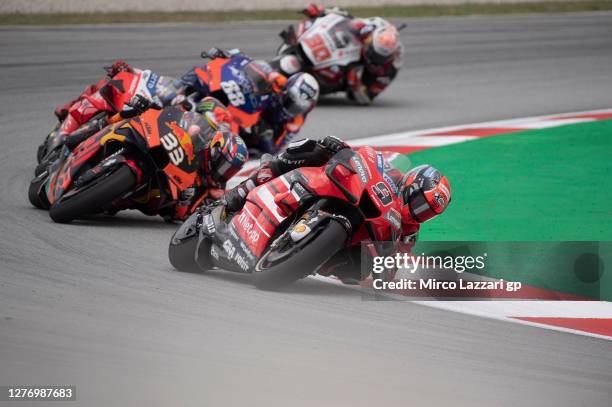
point(235, 198)
point(156, 103)
point(140, 104)
point(61, 113)
point(333, 144)
point(278, 81)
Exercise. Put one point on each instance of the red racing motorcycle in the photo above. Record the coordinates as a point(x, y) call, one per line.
point(96, 109)
point(291, 226)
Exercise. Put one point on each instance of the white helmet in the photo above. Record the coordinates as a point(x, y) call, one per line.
point(384, 45)
point(300, 94)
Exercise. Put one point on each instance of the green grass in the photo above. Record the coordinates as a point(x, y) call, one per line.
point(241, 15)
point(526, 199)
point(540, 185)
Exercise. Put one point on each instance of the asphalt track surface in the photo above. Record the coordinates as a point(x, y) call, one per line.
point(97, 305)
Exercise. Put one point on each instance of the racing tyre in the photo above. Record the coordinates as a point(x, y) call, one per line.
point(290, 262)
point(93, 196)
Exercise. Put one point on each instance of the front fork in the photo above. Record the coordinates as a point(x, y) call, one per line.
point(108, 164)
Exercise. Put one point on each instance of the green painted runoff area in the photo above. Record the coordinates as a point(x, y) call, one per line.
point(539, 186)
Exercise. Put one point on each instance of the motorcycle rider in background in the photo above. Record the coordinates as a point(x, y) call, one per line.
point(61, 112)
point(157, 91)
point(381, 54)
point(288, 101)
point(424, 191)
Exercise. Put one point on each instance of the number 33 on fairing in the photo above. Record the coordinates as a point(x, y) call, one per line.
point(172, 146)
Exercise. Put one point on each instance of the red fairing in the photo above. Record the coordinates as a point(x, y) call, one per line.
point(270, 204)
point(113, 94)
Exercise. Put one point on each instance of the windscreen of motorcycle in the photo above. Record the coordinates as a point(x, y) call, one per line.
point(239, 88)
point(330, 41)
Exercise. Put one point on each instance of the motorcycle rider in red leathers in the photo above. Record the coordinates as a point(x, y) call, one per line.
point(61, 112)
point(424, 191)
point(381, 54)
point(153, 90)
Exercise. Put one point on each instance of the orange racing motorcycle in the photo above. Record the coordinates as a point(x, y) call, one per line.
point(139, 163)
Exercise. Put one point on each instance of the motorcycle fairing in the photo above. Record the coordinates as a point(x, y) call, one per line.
point(227, 75)
point(62, 179)
point(329, 41)
point(182, 165)
point(120, 89)
point(268, 206)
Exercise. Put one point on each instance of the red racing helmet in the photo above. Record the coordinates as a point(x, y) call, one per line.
point(425, 192)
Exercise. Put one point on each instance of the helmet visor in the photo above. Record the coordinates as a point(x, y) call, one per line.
point(419, 207)
point(291, 108)
point(227, 156)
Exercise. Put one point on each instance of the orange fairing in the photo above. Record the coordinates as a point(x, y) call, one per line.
point(292, 127)
point(147, 125)
point(176, 175)
point(182, 179)
point(212, 75)
point(242, 118)
point(184, 140)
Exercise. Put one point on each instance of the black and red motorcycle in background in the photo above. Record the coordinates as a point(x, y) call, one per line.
point(94, 110)
point(291, 226)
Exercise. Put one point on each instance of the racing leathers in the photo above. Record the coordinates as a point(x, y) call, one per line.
point(311, 153)
point(221, 152)
point(366, 79)
point(302, 153)
point(275, 127)
point(108, 98)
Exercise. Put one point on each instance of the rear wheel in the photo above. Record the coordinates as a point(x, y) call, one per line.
point(96, 195)
point(289, 261)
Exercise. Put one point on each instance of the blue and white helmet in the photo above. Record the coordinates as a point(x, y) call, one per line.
point(300, 94)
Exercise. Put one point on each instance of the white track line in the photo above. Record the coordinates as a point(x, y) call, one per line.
point(501, 310)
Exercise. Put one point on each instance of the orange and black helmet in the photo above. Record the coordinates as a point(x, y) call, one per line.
point(425, 192)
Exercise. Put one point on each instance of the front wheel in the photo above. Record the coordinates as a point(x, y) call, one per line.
point(99, 193)
point(289, 261)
